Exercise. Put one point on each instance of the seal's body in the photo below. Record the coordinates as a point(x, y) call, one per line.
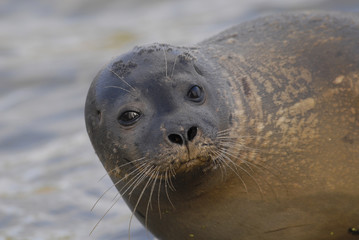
point(253, 134)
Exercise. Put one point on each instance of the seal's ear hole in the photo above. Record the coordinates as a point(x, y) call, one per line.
point(197, 70)
point(98, 115)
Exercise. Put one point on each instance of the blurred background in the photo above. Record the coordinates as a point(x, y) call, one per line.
point(49, 53)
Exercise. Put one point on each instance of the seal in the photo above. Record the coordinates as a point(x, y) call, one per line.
point(251, 134)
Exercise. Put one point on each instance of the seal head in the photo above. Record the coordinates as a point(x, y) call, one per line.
point(159, 110)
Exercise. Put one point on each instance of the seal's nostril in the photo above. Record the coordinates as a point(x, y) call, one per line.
point(175, 138)
point(191, 134)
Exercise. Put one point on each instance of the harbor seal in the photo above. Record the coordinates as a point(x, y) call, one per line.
point(252, 134)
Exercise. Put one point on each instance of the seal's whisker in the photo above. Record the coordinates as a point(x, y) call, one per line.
point(219, 163)
point(233, 138)
point(113, 185)
point(134, 181)
point(132, 184)
point(158, 195)
point(270, 186)
point(235, 147)
point(149, 205)
point(262, 168)
point(119, 77)
point(222, 168)
point(269, 170)
point(235, 141)
point(103, 216)
point(235, 171)
point(136, 171)
point(120, 166)
point(225, 131)
point(239, 147)
point(166, 62)
point(110, 172)
point(227, 138)
point(107, 174)
point(114, 198)
point(244, 170)
point(266, 168)
point(133, 163)
point(166, 188)
point(173, 68)
point(173, 172)
point(156, 178)
point(144, 174)
point(118, 88)
point(257, 166)
point(236, 155)
point(170, 179)
point(166, 178)
point(138, 201)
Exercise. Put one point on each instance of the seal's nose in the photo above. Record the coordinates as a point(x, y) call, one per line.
point(180, 139)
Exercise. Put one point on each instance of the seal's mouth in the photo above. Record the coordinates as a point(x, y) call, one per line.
point(193, 163)
point(179, 167)
point(164, 166)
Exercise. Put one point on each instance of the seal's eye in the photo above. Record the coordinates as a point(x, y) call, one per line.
point(195, 93)
point(129, 117)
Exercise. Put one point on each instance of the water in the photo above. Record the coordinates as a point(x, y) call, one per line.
point(49, 53)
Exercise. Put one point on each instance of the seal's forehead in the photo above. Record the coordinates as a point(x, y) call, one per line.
point(150, 59)
point(155, 53)
point(163, 50)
